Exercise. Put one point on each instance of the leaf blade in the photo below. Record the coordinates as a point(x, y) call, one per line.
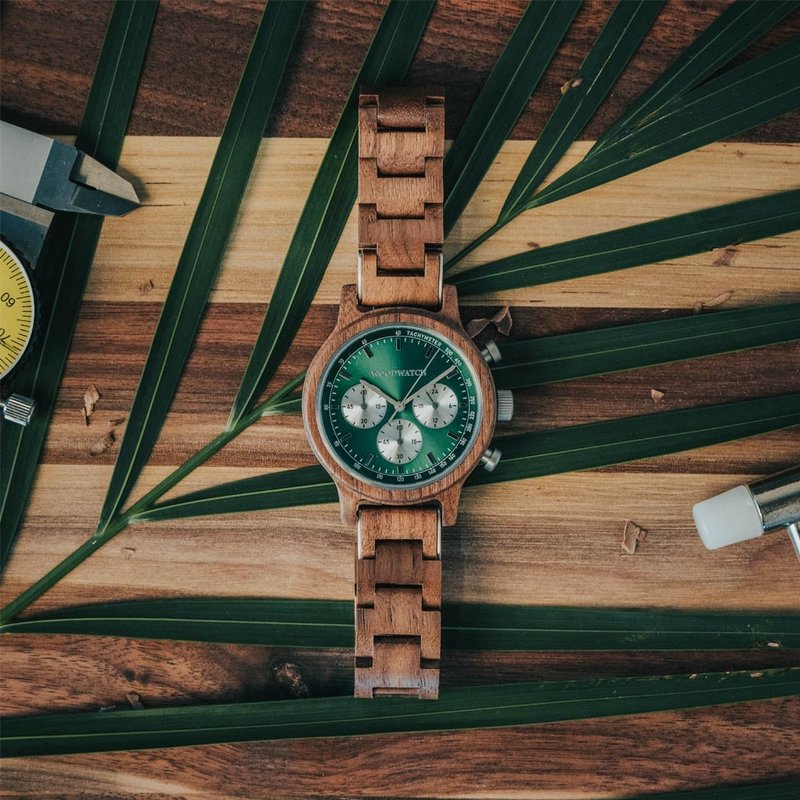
point(204, 247)
point(329, 203)
point(660, 240)
point(502, 99)
point(468, 626)
point(457, 709)
point(588, 446)
point(611, 51)
point(740, 99)
point(599, 352)
point(66, 260)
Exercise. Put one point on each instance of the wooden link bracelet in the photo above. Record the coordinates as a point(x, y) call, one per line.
point(398, 602)
point(400, 197)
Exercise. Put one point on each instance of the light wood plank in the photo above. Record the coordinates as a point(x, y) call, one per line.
point(171, 171)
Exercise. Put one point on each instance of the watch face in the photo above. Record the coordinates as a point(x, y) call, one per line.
point(399, 406)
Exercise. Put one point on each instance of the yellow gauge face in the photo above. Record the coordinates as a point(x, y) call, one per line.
point(16, 310)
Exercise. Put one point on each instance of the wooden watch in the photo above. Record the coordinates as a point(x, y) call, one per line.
point(399, 404)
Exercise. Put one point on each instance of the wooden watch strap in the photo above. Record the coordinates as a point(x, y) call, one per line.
point(398, 601)
point(400, 197)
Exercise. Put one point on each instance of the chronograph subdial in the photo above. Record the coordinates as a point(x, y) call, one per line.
point(363, 407)
point(399, 441)
point(435, 407)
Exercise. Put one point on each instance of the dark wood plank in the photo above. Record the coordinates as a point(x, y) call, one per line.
point(198, 48)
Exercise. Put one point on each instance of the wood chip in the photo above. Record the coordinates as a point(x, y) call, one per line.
point(290, 677)
point(656, 395)
point(573, 83)
point(134, 700)
point(101, 445)
point(726, 257)
point(632, 534)
point(714, 301)
point(774, 644)
point(501, 320)
point(533, 245)
point(129, 552)
point(113, 423)
point(145, 287)
point(90, 398)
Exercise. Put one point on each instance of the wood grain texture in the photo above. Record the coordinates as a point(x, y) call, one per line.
point(551, 541)
point(199, 47)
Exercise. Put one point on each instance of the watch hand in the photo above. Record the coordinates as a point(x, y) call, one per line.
point(380, 392)
point(402, 404)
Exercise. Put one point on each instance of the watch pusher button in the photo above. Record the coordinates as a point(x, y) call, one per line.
point(491, 352)
point(491, 458)
point(505, 405)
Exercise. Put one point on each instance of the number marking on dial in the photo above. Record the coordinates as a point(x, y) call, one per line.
point(362, 407)
point(436, 407)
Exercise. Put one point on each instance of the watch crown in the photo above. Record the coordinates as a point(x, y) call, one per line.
point(491, 352)
point(491, 458)
point(505, 405)
point(18, 409)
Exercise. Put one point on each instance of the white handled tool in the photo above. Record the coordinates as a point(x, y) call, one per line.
point(746, 512)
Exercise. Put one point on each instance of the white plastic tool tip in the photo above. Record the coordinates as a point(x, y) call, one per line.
point(728, 518)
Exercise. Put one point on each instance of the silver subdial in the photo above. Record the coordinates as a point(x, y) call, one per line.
point(362, 407)
point(436, 407)
point(399, 441)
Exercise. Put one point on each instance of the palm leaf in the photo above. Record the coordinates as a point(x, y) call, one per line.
point(204, 248)
point(735, 29)
point(578, 355)
point(329, 203)
point(661, 240)
point(615, 45)
point(529, 455)
point(67, 258)
point(467, 626)
point(470, 707)
point(760, 791)
point(740, 99)
point(502, 99)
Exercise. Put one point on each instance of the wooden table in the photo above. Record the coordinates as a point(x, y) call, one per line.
point(549, 541)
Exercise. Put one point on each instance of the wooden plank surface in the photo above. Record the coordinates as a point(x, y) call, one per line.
point(554, 540)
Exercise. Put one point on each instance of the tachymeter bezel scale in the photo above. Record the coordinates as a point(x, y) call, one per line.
point(381, 474)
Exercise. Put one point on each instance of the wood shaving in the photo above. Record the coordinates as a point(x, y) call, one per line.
point(656, 395)
point(113, 423)
point(134, 700)
point(632, 534)
point(533, 245)
point(773, 644)
point(572, 83)
point(726, 257)
point(714, 301)
point(90, 398)
point(756, 674)
point(501, 320)
point(101, 445)
point(290, 677)
point(129, 551)
point(145, 287)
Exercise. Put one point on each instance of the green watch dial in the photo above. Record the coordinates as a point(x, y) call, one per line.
point(399, 406)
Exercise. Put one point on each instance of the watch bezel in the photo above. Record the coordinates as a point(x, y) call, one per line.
point(450, 331)
point(331, 365)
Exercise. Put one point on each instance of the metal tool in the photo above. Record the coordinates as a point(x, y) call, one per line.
point(39, 176)
point(746, 512)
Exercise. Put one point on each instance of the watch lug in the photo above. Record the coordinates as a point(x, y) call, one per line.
point(450, 498)
point(450, 304)
point(348, 504)
point(348, 306)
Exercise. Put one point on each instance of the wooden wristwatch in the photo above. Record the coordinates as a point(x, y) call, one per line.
point(399, 404)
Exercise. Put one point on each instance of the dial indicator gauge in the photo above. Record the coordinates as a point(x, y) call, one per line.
point(398, 406)
point(436, 407)
point(16, 310)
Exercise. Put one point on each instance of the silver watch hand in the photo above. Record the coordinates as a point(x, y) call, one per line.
point(394, 403)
